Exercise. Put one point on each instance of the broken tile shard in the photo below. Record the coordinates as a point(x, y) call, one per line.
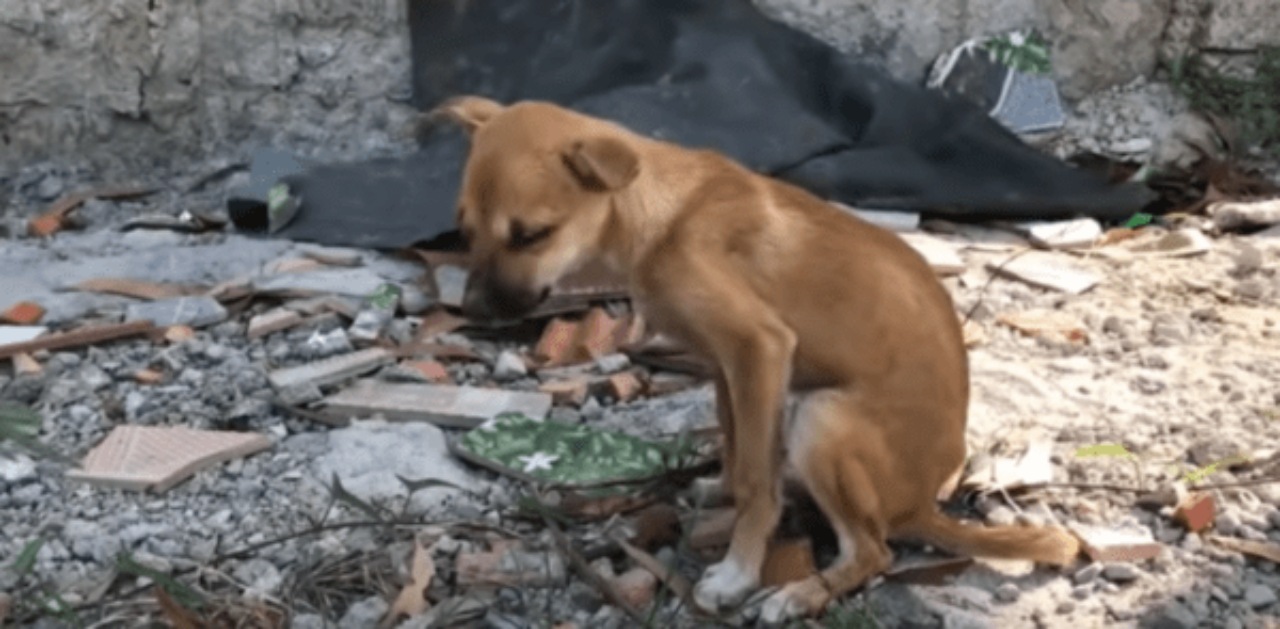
point(1237, 214)
point(451, 284)
point(1196, 513)
point(1046, 271)
point(197, 312)
point(156, 458)
point(443, 405)
point(1176, 244)
point(332, 370)
point(23, 313)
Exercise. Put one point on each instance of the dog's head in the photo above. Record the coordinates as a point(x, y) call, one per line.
point(535, 201)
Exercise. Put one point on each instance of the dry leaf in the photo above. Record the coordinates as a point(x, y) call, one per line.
point(412, 600)
point(1047, 323)
point(179, 617)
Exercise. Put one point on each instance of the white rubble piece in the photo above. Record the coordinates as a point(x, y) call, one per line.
point(443, 405)
point(331, 371)
point(1046, 271)
point(888, 219)
point(1182, 243)
point(10, 334)
point(941, 255)
point(273, 321)
point(1073, 234)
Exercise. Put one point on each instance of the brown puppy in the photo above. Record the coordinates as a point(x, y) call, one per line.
point(783, 293)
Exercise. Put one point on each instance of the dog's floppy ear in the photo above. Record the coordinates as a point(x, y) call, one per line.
point(468, 112)
point(602, 163)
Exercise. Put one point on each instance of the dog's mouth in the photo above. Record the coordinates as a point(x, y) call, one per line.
point(504, 306)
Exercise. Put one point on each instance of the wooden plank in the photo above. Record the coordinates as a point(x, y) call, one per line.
point(443, 405)
point(80, 337)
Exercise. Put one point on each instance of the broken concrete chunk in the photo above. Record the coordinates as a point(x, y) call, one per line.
point(1046, 271)
point(443, 405)
point(271, 322)
point(196, 312)
point(1074, 234)
point(1237, 214)
point(331, 371)
point(335, 256)
point(26, 364)
point(941, 255)
point(571, 392)
point(1106, 545)
point(625, 386)
point(158, 457)
point(356, 282)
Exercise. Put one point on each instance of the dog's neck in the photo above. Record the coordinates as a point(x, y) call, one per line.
point(641, 215)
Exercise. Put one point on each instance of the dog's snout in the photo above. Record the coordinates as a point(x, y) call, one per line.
point(488, 299)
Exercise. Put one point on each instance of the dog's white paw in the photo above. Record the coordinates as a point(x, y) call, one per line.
point(723, 585)
point(781, 607)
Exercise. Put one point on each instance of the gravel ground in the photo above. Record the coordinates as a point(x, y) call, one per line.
point(1176, 359)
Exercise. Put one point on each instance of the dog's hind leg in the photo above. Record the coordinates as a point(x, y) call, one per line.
point(824, 447)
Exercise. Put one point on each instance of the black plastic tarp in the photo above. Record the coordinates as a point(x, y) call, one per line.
point(713, 74)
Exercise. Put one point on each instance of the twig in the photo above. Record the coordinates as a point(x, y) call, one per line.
point(982, 292)
point(1089, 486)
point(584, 569)
point(1253, 482)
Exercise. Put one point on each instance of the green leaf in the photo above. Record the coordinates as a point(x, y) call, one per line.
point(26, 561)
point(1138, 220)
point(125, 563)
point(1103, 449)
point(18, 422)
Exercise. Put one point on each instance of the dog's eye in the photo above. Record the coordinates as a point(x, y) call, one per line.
point(522, 236)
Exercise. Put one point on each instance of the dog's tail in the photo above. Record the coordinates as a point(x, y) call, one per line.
point(1047, 545)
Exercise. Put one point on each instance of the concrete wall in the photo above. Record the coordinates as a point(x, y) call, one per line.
point(123, 84)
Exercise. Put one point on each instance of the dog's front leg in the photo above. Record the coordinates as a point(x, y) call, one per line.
point(756, 375)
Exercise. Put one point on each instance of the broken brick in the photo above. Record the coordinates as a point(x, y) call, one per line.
point(787, 561)
point(556, 346)
point(656, 526)
point(45, 226)
point(667, 383)
point(625, 386)
point(571, 392)
point(432, 370)
point(1196, 513)
point(23, 313)
point(148, 376)
point(1109, 545)
point(599, 334)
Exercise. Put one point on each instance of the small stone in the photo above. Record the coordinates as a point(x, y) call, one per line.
point(49, 187)
point(1175, 616)
point(1273, 518)
point(509, 366)
point(1251, 289)
point(1087, 574)
point(365, 613)
point(1121, 573)
point(1065, 607)
point(612, 363)
point(1007, 593)
point(1259, 596)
